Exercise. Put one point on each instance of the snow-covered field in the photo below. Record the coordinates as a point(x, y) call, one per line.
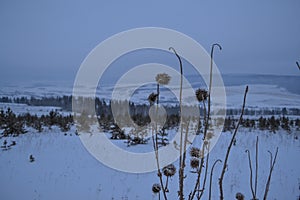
point(64, 169)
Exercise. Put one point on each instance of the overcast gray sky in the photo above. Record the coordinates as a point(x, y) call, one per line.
point(50, 39)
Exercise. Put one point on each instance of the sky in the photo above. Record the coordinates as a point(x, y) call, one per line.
point(48, 40)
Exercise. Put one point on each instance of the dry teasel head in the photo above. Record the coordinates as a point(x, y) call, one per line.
point(169, 170)
point(201, 94)
point(239, 196)
point(194, 163)
point(163, 79)
point(156, 188)
point(209, 135)
point(195, 152)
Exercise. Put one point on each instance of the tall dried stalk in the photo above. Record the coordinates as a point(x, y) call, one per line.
point(230, 145)
point(256, 165)
point(206, 126)
point(210, 85)
point(181, 163)
point(251, 175)
point(163, 79)
point(272, 164)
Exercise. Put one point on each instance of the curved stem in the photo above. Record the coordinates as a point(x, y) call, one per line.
point(181, 164)
point(210, 83)
point(270, 174)
point(210, 178)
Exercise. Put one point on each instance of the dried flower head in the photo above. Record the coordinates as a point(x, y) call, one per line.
point(156, 188)
point(163, 79)
point(194, 163)
point(201, 94)
point(195, 152)
point(169, 170)
point(239, 196)
point(152, 97)
point(209, 135)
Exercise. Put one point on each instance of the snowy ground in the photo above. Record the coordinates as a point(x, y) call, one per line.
point(65, 170)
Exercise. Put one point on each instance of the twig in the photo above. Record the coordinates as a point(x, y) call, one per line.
point(270, 174)
point(230, 145)
point(210, 178)
point(298, 65)
point(251, 175)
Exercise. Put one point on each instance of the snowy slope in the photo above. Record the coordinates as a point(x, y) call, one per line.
point(260, 95)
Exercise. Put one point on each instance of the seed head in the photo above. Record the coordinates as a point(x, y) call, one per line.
point(194, 163)
point(239, 196)
point(195, 152)
point(201, 94)
point(169, 170)
point(162, 79)
point(156, 188)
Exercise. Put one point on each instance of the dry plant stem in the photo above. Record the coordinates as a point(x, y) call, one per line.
point(256, 165)
point(298, 65)
point(181, 164)
point(158, 167)
point(155, 146)
point(210, 178)
point(272, 164)
point(200, 192)
point(199, 171)
point(251, 175)
point(210, 84)
point(230, 145)
point(157, 99)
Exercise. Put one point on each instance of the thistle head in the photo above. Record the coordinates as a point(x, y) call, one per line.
point(169, 170)
point(163, 79)
point(156, 188)
point(209, 135)
point(195, 152)
point(239, 196)
point(201, 94)
point(194, 163)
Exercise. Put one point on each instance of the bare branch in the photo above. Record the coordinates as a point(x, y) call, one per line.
point(230, 145)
